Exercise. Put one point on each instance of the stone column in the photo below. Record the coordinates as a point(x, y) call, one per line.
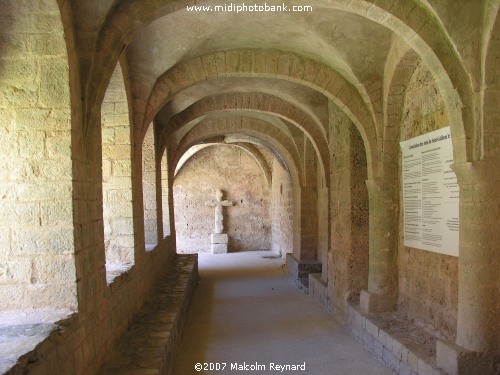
point(300, 265)
point(308, 224)
point(171, 215)
point(478, 325)
point(383, 230)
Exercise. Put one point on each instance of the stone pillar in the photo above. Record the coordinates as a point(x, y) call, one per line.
point(301, 264)
point(478, 327)
point(308, 224)
point(171, 214)
point(383, 230)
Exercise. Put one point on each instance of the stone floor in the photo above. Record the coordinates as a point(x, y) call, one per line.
point(246, 312)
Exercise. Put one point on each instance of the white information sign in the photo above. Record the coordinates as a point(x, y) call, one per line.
point(430, 193)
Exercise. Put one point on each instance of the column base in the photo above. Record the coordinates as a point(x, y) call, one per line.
point(376, 303)
point(455, 360)
point(219, 238)
point(219, 243)
point(218, 248)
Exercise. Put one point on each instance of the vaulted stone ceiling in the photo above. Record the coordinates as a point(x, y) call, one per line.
point(342, 51)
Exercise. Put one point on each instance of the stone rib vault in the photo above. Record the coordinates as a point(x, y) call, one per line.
point(120, 118)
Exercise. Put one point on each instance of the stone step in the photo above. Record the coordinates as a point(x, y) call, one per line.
point(149, 345)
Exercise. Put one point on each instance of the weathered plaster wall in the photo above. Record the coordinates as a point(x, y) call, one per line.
point(232, 170)
point(281, 211)
point(427, 280)
point(348, 262)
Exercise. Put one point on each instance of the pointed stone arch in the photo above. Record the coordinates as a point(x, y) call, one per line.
point(252, 131)
point(394, 110)
point(413, 21)
point(247, 147)
point(491, 96)
point(263, 63)
point(260, 103)
point(217, 129)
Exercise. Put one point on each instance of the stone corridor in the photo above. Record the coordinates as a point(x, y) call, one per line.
point(357, 141)
point(246, 311)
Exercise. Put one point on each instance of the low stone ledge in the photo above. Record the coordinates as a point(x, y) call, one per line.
point(149, 345)
point(402, 346)
point(31, 344)
point(299, 271)
point(318, 289)
point(115, 270)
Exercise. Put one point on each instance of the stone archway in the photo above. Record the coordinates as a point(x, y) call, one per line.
point(229, 168)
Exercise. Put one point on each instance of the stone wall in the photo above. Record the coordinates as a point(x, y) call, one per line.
point(281, 211)
point(165, 208)
point(427, 280)
point(117, 173)
point(323, 222)
point(232, 170)
point(52, 245)
point(358, 259)
point(149, 193)
point(348, 261)
point(37, 264)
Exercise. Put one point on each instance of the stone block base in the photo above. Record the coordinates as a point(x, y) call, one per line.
point(219, 248)
point(455, 360)
point(219, 238)
point(318, 289)
point(390, 340)
point(374, 303)
point(299, 271)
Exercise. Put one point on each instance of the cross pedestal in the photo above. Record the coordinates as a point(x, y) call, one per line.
point(218, 240)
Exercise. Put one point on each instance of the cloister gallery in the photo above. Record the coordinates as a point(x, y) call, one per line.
point(334, 129)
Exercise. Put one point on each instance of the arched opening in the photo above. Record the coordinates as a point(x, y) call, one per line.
point(281, 210)
point(149, 194)
point(231, 169)
point(165, 205)
point(117, 178)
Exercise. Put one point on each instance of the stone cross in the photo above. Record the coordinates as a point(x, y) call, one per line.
point(218, 203)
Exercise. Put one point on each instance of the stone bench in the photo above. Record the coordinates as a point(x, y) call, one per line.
point(403, 346)
point(149, 345)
